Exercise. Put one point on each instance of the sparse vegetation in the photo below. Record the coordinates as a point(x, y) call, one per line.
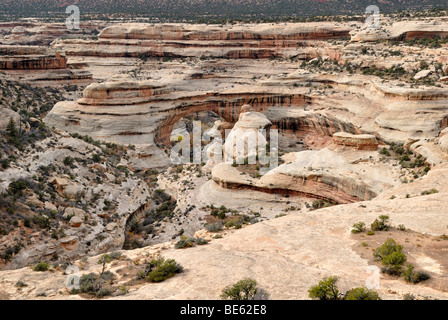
point(380, 224)
point(158, 270)
point(41, 266)
point(245, 289)
point(412, 276)
point(391, 256)
point(327, 289)
point(359, 227)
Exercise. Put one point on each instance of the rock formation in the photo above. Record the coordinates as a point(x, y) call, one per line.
point(247, 136)
point(39, 64)
point(231, 42)
point(320, 174)
point(152, 109)
point(31, 58)
point(360, 142)
point(90, 230)
point(403, 30)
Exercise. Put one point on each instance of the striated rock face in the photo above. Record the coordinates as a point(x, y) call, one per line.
point(120, 93)
point(260, 41)
point(320, 174)
point(403, 30)
point(31, 58)
point(359, 142)
point(370, 34)
point(291, 31)
point(143, 112)
point(308, 126)
point(42, 34)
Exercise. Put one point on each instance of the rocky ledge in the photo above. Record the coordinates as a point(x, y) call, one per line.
point(31, 58)
point(359, 141)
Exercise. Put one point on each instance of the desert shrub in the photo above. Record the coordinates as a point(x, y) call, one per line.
point(408, 296)
point(245, 289)
point(380, 224)
point(161, 269)
point(5, 163)
point(214, 227)
point(184, 243)
point(326, 289)
point(389, 247)
point(16, 187)
point(317, 204)
point(385, 152)
point(107, 276)
point(394, 262)
point(41, 266)
point(90, 283)
point(431, 191)
point(412, 276)
point(96, 285)
point(359, 227)
point(68, 161)
point(105, 258)
point(116, 255)
point(96, 158)
point(201, 241)
point(13, 134)
point(361, 293)
point(235, 222)
point(21, 284)
point(391, 256)
point(102, 292)
point(219, 212)
point(42, 221)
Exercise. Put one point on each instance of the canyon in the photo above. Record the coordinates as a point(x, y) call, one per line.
point(360, 117)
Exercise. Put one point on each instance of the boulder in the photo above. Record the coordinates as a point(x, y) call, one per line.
point(75, 222)
point(49, 206)
point(74, 212)
point(422, 74)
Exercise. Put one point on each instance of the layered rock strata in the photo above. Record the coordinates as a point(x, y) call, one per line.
point(359, 142)
point(261, 41)
point(403, 30)
point(143, 113)
point(31, 58)
point(320, 174)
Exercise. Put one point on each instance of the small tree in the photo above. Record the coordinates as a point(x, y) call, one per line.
point(359, 227)
point(161, 269)
point(380, 224)
point(11, 129)
point(104, 260)
point(13, 133)
point(41, 266)
point(391, 256)
point(16, 187)
point(326, 289)
point(245, 289)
